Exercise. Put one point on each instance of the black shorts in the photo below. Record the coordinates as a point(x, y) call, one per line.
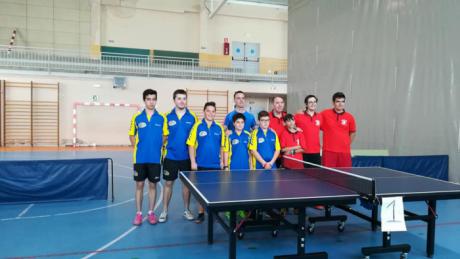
point(314, 158)
point(171, 168)
point(147, 171)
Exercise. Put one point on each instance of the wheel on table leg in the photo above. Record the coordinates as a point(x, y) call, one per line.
point(275, 233)
point(311, 228)
point(366, 257)
point(341, 226)
point(404, 255)
point(240, 235)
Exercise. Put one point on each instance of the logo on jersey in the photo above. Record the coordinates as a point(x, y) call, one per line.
point(317, 123)
point(188, 122)
point(261, 140)
point(203, 133)
point(142, 125)
point(344, 122)
point(157, 125)
point(172, 123)
point(217, 133)
point(235, 142)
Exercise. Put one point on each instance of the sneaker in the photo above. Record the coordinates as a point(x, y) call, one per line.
point(200, 218)
point(188, 215)
point(138, 219)
point(152, 218)
point(163, 217)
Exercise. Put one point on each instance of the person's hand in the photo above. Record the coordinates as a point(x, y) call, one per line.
point(268, 166)
point(299, 129)
point(194, 166)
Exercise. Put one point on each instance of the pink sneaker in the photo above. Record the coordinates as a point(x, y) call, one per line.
point(152, 218)
point(138, 219)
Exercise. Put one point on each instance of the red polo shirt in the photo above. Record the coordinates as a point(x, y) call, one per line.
point(289, 139)
point(336, 129)
point(277, 124)
point(310, 126)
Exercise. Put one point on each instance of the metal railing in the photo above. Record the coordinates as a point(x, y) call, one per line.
point(55, 60)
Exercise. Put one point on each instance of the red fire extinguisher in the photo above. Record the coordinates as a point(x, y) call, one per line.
point(226, 47)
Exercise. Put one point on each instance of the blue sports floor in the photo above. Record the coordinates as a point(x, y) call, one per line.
point(101, 229)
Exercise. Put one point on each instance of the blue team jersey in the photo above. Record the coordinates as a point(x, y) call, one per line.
point(149, 134)
point(179, 131)
point(237, 147)
point(208, 143)
point(249, 124)
point(266, 143)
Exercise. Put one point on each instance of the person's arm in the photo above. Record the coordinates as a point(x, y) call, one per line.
point(226, 152)
point(352, 136)
point(191, 152)
point(165, 130)
point(277, 151)
point(133, 130)
point(191, 142)
point(132, 139)
point(258, 157)
point(289, 150)
point(352, 129)
point(253, 149)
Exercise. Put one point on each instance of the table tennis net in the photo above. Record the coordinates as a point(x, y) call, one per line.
point(339, 176)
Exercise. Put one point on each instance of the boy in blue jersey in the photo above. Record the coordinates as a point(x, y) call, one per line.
point(180, 122)
point(236, 151)
point(265, 145)
point(147, 134)
point(205, 145)
point(250, 122)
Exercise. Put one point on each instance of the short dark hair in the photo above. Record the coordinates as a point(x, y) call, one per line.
point(238, 92)
point(288, 117)
point(179, 91)
point(149, 92)
point(262, 114)
point(213, 104)
point(338, 95)
point(238, 116)
point(308, 97)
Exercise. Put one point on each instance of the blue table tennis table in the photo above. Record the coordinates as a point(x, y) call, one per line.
point(230, 191)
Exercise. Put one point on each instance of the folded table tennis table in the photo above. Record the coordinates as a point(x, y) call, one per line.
point(230, 191)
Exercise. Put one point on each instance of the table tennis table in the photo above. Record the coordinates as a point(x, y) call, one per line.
point(230, 191)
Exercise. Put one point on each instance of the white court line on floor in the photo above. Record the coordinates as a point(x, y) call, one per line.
point(25, 211)
point(127, 232)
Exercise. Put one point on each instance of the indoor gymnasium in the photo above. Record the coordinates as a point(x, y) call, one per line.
point(229, 129)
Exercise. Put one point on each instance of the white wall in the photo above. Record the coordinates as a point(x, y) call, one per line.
point(110, 127)
point(61, 24)
point(175, 25)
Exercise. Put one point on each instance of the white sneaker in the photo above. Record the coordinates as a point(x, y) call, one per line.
point(163, 217)
point(188, 215)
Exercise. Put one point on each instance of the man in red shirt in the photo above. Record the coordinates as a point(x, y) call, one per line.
point(310, 123)
point(339, 131)
point(276, 119)
point(292, 144)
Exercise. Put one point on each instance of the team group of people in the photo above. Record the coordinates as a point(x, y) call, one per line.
point(178, 141)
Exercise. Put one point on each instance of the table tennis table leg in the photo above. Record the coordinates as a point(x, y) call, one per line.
point(375, 213)
point(210, 227)
point(431, 226)
point(301, 231)
point(232, 236)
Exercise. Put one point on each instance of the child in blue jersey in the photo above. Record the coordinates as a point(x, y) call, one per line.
point(148, 133)
point(205, 145)
point(236, 150)
point(265, 145)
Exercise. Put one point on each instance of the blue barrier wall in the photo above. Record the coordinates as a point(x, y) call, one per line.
point(53, 180)
point(431, 166)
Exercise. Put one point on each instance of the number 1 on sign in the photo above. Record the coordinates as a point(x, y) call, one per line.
point(392, 214)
